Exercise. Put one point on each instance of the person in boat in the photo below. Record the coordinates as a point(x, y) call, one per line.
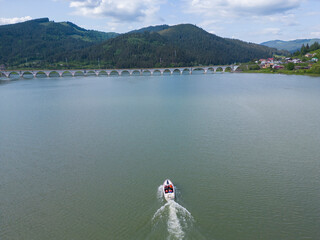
point(166, 189)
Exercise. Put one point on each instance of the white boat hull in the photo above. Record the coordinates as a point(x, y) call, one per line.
point(168, 190)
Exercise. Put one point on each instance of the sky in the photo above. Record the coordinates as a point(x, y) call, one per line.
point(248, 20)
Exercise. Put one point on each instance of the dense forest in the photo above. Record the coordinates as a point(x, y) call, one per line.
point(45, 44)
point(211, 49)
point(37, 42)
point(306, 49)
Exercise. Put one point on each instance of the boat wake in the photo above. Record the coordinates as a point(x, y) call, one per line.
point(177, 218)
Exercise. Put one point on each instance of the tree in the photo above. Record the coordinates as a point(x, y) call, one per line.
point(290, 66)
point(314, 46)
point(303, 49)
point(307, 47)
point(297, 53)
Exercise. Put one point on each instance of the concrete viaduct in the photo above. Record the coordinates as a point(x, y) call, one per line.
point(119, 72)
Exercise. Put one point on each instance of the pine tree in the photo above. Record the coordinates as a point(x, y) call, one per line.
point(303, 49)
point(314, 46)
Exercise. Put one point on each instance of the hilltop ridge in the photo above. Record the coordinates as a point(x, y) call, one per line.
point(290, 46)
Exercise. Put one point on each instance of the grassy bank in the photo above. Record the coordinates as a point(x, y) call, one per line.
point(282, 72)
point(313, 71)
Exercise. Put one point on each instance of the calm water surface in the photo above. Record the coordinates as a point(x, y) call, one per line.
point(83, 158)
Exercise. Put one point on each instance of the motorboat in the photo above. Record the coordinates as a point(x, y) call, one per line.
point(168, 190)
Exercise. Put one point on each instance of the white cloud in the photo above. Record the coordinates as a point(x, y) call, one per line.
point(315, 34)
point(313, 13)
point(117, 10)
point(246, 14)
point(273, 31)
point(4, 21)
point(266, 33)
point(284, 19)
point(227, 8)
point(263, 7)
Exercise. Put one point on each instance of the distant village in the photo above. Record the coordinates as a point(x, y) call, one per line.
point(279, 63)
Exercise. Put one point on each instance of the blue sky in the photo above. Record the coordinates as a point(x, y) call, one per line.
point(248, 20)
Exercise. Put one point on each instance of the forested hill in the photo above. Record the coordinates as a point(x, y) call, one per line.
point(45, 44)
point(41, 39)
point(211, 49)
point(180, 45)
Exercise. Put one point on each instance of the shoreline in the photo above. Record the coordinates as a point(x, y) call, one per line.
point(282, 72)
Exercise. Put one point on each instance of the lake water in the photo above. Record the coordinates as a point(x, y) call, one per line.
point(84, 158)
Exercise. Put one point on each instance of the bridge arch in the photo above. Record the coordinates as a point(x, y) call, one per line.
point(176, 72)
point(210, 70)
point(228, 69)
point(41, 74)
point(219, 69)
point(13, 74)
point(91, 73)
point(136, 72)
point(125, 73)
point(54, 74)
point(66, 74)
point(146, 72)
point(198, 70)
point(27, 75)
point(166, 72)
point(185, 71)
point(156, 72)
point(103, 73)
point(114, 73)
point(78, 74)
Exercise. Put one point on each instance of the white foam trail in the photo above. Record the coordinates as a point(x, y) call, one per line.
point(160, 212)
point(174, 227)
point(178, 217)
point(160, 193)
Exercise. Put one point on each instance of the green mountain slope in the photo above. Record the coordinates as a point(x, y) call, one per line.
point(42, 43)
point(211, 49)
point(290, 46)
point(41, 40)
point(180, 45)
point(133, 50)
